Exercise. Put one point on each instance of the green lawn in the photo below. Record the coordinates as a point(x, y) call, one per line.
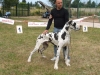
point(15, 49)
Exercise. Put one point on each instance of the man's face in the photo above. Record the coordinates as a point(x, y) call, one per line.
point(59, 4)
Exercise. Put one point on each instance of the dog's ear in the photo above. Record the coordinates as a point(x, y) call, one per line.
point(70, 22)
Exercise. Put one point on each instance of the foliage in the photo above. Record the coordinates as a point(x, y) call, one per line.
point(24, 1)
point(31, 4)
point(75, 3)
point(9, 3)
point(93, 4)
point(98, 5)
point(22, 5)
point(90, 4)
point(36, 5)
point(52, 2)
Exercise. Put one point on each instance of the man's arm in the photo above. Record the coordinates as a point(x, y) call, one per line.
point(49, 24)
point(66, 16)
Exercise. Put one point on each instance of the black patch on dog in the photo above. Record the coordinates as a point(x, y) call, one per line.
point(65, 48)
point(63, 35)
point(40, 37)
point(50, 35)
point(55, 36)
point(50, 39)
point(67, 28)
point(74, 25)
point(70, 22)
point(52, 43)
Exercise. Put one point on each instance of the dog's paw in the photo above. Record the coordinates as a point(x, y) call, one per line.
point(68, 63)
point(44, 56)
point(28, 60)
point(55, 67)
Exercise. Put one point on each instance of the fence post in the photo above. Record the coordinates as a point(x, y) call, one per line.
point(3, 7)
point(63, 3)
point(78, 9)
point(16, 10)
point(28, 8)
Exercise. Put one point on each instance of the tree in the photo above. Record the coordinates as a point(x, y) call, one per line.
point(75, 3)
point(81, 4)
point(24, 1)
point(93, 4)
point(37, 5)
point(67, 3)
point(89, 3)
point(9, 3)
point(52, 2)
point(98, 5)
point(70, 3)
point(31, 4)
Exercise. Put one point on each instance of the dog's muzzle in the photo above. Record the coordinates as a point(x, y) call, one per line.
point(78, 27)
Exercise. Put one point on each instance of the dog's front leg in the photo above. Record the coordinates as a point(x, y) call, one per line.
point(57, 59)
point(67, 58)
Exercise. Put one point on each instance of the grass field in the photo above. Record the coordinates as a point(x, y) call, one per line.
point(15, 49)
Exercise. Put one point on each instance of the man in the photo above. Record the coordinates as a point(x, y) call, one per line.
point(60, 16)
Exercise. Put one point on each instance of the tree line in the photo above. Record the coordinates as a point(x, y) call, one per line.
point(74, 4)
point(9, 3)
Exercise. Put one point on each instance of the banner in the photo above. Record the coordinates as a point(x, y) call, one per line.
point(7, 21)
point(37, 24)
point(0, 19)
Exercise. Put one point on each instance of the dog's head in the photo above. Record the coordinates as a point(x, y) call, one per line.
point(73, 25)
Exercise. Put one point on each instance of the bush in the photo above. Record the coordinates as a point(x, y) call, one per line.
point(35, 13)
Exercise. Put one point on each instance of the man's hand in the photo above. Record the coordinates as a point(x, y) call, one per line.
point(46, 31)
point(50, 16)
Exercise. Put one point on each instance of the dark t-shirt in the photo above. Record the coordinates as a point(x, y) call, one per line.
point(60, 18)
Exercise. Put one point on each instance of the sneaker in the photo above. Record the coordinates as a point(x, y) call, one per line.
point(53, 59)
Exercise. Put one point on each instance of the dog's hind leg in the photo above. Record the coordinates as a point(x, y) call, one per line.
point(67, 58)
point(35, 49)
point(45, 45)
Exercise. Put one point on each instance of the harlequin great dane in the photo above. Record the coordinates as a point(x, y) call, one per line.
point(60, 39)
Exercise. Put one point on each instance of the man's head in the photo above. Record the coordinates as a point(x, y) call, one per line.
point(59, 4)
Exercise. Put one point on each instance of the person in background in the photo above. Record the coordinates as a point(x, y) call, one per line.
point(60, 16)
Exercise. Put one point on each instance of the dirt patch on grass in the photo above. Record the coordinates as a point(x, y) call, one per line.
point(92, 19)
point(39, 18)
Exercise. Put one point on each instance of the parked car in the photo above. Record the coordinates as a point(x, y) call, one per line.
point(7, 14)
point(46, 15)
